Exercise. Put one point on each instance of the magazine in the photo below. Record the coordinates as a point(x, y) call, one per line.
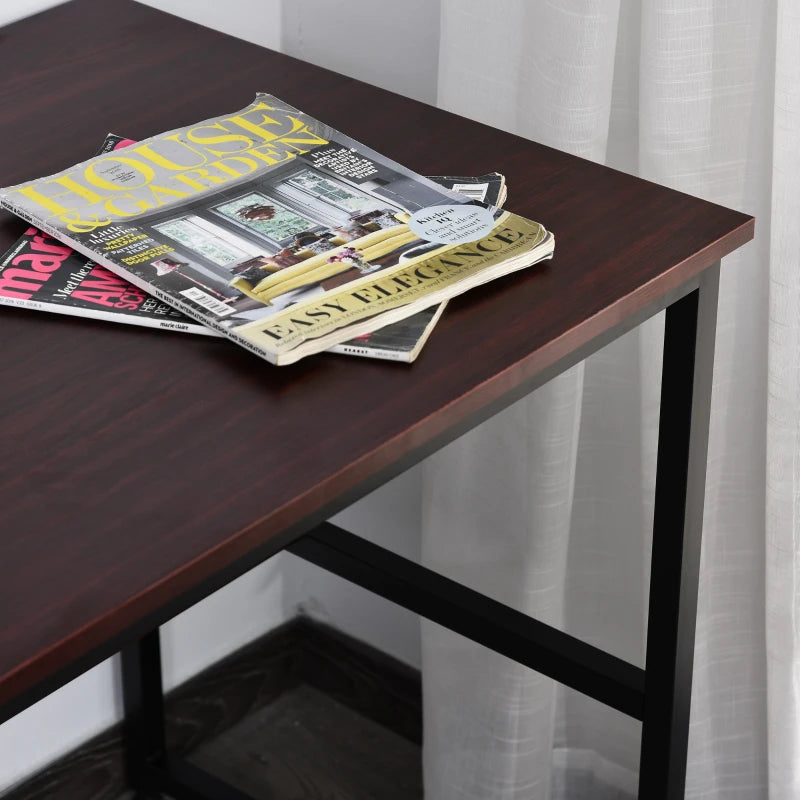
point(277, 230)
point(400, 341)
point(403, 341)
point(490, 189)
point(41, 273)
point(73, 284)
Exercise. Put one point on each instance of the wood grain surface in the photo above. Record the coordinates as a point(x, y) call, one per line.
point(133, 463)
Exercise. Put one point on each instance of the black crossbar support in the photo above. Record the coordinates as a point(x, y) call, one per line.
point(549, 651)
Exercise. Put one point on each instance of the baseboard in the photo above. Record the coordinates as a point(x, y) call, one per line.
point(300, 651)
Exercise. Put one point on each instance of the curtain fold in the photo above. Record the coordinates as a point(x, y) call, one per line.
point(502, 523)
point(549, 506)
point(783, 422)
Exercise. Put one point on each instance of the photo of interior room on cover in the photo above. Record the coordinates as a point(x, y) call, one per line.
point(236, 246)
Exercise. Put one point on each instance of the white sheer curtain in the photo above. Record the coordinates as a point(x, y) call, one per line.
point(549, 506)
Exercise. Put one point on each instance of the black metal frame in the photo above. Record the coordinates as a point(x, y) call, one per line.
point(659, 695)
point(677, 532)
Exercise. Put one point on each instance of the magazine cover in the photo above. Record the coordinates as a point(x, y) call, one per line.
point(41, 273)
point(277, 230)
point(490, 189)
point(403, 341)
point(69, 283)
point(400, 341)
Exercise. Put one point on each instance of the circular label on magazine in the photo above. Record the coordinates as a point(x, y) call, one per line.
point(452, 224)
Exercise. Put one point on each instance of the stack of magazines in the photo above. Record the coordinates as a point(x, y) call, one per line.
point(265, 226)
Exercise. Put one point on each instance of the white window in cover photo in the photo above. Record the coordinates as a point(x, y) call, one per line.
point(266, 216)
point(307, 183)
point(211, 241)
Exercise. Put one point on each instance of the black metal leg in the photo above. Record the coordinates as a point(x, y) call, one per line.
point(143, 699)
point(150, 770)
point(677, 530)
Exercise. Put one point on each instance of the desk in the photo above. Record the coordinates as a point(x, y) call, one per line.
point(140, 471)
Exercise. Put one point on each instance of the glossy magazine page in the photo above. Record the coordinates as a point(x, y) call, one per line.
point(277, 230)
point(490, 188)
point(41, 273)
point(64, 281)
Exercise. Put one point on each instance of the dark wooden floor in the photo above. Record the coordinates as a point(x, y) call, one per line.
point(307, 745)
point(305, 713)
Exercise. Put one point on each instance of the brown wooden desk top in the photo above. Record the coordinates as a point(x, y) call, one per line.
point(135, 463)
